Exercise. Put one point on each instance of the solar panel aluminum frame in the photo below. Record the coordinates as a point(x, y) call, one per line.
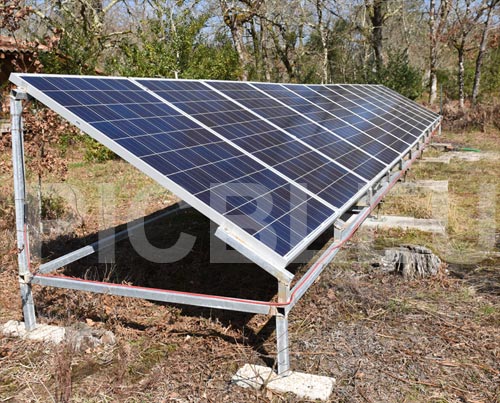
point(294, 253)
point(231, 238)
point(259, 253)
point(287, 296)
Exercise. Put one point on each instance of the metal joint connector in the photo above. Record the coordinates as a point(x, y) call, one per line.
point(25, 278)
point(20, 95)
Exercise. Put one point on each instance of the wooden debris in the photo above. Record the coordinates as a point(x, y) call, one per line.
point(411, 261)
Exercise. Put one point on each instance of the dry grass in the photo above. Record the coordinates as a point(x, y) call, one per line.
point(383, 339)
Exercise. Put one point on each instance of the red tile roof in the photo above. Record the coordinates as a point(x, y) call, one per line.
point(9, 44)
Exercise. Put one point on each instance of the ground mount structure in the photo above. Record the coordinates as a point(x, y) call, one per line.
point(272, 165)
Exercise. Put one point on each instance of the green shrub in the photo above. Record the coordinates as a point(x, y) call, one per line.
point(53, 206)
point(399, 75)
point(96, 152)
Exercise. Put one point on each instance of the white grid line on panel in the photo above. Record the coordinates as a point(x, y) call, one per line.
point(289, 134)
point(305, 190)
point(356, 114)
point(387, 111)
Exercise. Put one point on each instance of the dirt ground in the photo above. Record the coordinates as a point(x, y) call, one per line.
point(384, 339)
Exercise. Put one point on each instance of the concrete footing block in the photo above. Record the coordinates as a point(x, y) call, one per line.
point(430, 185)
point(442, 159)
point(47, 333)
point(306, 386)
point(421, 224)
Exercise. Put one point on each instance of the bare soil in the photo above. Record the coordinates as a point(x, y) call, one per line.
point(383, 339)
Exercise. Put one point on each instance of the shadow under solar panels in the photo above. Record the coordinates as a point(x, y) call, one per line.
point(272, 164)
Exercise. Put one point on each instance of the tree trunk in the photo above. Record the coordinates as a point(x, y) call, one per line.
point(411, 261)
point(256, 41)
point(235, 23)
point(433, 53)
point(461, 73)
point(377, 17)
point(433, 82)
point(323, 31)
point(264, 49)
point(283, 50)
point(482, 50)
point(438, 16)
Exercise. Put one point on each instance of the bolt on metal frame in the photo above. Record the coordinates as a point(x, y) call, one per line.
point(287, 297)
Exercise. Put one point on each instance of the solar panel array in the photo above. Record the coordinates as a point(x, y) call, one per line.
point(277, 163)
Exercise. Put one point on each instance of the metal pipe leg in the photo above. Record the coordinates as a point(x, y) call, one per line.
point(282, 341)
point(16, 109)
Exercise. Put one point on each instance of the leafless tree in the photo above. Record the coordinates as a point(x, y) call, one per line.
point(235, 18)
point(438, 15)
point(465, 16)
point(490, 6)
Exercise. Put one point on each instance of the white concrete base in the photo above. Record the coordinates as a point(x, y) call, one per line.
point(306, 386)
point(421, 224)
point(443, 159)
point(462, 155)
point(53, 334)
point(430, 185)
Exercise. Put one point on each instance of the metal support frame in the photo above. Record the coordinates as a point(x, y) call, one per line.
point(16, 127)
point(287, 297)
point(282, 341)
point(103, 243)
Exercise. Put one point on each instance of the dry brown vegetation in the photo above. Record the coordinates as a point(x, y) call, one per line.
point(383, 339)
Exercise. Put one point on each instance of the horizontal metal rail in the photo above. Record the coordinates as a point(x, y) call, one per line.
point(88, 250)
point(153, 294)
point(238, 304)
point(351, 226)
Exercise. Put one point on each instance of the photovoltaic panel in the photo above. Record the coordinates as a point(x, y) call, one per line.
point(389, 112)
point(275, 148)
point(272, 164)
point(208, 168)
point(263, 100)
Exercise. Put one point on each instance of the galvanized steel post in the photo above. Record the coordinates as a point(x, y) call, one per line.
point(282, 341)
point(16, 109)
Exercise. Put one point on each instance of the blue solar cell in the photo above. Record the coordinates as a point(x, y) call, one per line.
point(286, 117)
point(270, 145)
point(270, 158)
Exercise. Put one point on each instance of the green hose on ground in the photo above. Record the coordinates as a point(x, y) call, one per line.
point(475, 150)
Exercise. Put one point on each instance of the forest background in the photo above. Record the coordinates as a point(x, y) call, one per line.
point(417, 47)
